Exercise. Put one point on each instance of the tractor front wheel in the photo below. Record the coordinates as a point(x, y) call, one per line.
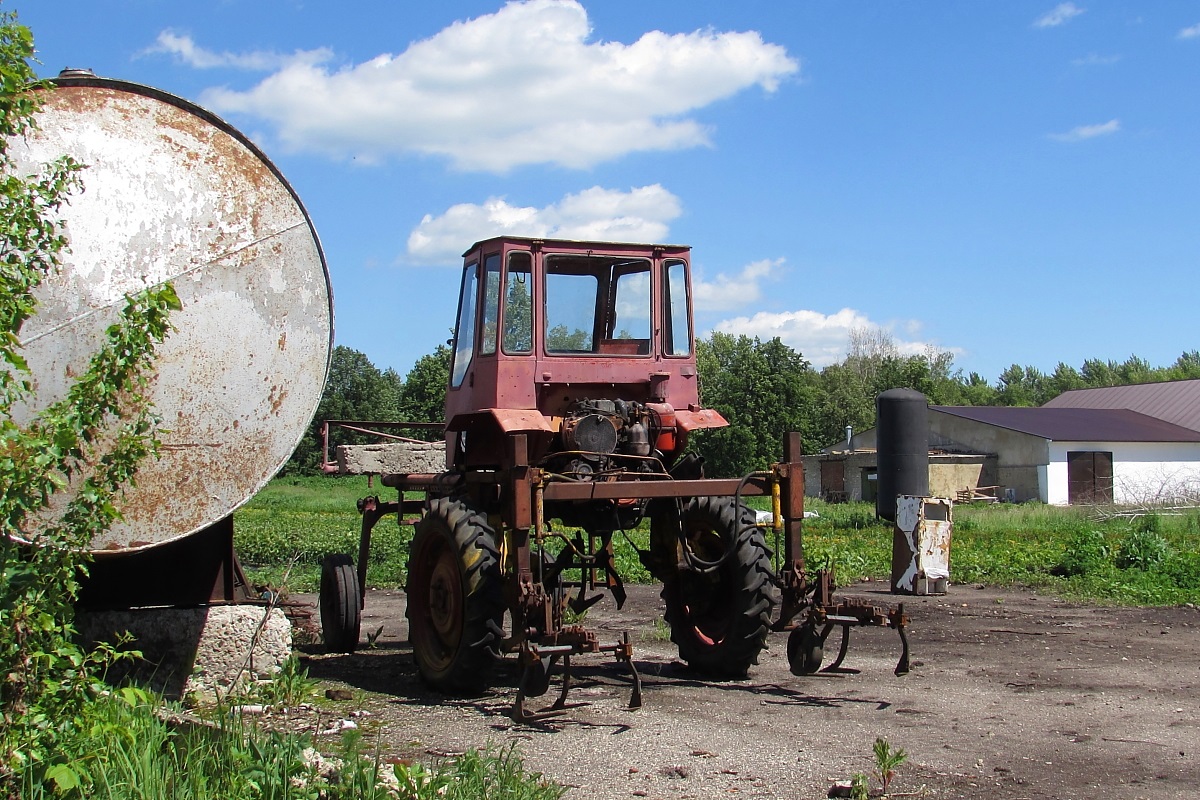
point(341, 603)
point(455, 602)
point(719, 601)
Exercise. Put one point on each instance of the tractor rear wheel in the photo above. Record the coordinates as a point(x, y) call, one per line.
point(455, 602)
point(719, 604)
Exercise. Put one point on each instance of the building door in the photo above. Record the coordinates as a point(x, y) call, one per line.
point(833, 479)
point(1089, 477)
point(870, 484)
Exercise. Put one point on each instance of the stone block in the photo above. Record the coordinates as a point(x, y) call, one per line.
point(396, 458)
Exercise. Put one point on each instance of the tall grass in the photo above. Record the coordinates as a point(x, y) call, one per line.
point(1144, 560)
point(129, 751)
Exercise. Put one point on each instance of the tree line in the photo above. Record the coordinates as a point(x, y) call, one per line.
point(763, 388)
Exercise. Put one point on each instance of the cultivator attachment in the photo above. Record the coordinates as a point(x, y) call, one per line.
point(806, 642)
point(813, 599)
point(537, 662)
point(810, 595)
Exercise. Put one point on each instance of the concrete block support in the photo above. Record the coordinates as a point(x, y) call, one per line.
point(196, 652)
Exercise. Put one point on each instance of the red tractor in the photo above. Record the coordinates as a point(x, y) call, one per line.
point(572, 397)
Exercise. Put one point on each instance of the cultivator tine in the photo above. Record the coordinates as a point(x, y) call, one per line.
point(561, 702)
point(635, 699)
point(523, 715)
point(526, 717)
point(900, 622)
point(845, 646)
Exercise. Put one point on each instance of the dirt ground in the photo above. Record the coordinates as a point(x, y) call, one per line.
point(1012, 695)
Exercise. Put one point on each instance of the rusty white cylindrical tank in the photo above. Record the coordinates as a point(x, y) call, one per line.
point(172, 193)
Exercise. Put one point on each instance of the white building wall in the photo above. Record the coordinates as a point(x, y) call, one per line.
point(1144, 473)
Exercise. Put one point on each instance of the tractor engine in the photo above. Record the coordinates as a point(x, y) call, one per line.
point(600, 438)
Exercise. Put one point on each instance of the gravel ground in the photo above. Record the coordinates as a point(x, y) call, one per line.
point(1012, 695)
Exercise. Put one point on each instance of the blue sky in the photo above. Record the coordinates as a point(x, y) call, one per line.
point(1011, 181)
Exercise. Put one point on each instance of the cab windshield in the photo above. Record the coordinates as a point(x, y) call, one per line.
point(597, 304)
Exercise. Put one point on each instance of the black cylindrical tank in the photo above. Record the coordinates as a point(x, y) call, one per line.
point(902, 442)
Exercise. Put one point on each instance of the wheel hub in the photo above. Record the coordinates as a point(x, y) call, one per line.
point(445, 599)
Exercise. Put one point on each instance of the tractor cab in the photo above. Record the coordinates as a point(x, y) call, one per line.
point(580, 345)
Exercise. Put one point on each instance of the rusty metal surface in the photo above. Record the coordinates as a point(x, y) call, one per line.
point(174, 194)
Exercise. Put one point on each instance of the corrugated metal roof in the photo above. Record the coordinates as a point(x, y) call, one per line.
point(1077, 424)
point(1177, 402)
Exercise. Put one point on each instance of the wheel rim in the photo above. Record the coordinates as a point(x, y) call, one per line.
point(441, 632)
point(445, 598)
point(706, 597)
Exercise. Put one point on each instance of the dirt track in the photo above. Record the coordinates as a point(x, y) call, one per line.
point(1012, 695)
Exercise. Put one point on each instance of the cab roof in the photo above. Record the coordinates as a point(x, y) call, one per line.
point(575, 244)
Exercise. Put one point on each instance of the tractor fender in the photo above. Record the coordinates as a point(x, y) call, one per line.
point(692, 418)
point(508, 420)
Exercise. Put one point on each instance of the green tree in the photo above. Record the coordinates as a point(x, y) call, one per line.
point(843, 399)
point(85, 446)
point(355, 390)
point(1064, 379)
point(1137, 370)
point(976, 391)
point(1021, 386)
point(1186, 367)
point(560, 338)
point(761, 388)
point(518, 314)
point(1097, 374)
point(423, 398)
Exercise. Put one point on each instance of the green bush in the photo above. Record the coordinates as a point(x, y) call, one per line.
point(1086, 552)
point(1142, 548)
point(1183, 569)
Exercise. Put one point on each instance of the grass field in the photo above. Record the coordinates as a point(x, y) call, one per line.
point(285, 531)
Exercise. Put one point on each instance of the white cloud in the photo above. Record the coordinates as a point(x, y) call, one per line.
point(521, 86)
point(822, 339)
point(1190, 33)
point(1083, 132)
point(726, 292)
point(640, 215)
point(187, 51)
point(1060, 14)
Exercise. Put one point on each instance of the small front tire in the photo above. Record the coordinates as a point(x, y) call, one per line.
point(341, 604)
point(805, 650)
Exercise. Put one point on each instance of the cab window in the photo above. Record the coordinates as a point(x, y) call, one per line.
point(518, 305)
point(677, 338)
point(464, 335)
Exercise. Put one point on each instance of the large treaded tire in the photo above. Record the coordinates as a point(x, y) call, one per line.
point(455, 599)
point(720, 620)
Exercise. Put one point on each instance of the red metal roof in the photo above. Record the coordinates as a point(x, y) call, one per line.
point(1077, 424)
point(1177, 402)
